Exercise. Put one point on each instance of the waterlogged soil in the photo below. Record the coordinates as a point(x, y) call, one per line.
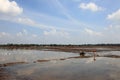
point(21, 64)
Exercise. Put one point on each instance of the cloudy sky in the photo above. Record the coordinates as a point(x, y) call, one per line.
point(59, 21)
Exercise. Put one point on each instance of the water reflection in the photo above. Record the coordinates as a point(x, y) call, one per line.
point(70, 69)
point(30, 55)
point(33, 56)
point(50, 65)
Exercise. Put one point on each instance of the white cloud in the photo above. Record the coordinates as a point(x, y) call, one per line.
point(9, 11)
point(30, 22)
point(19, 37)
point(10, 8)
point(115, 16)
point(24, 32)
point(90, 6)
point(34, 35)
point(25, 21)
point(3, 34)
point(112, 32)
point(92, 33)
point(19, 34)
point(113, 27)
point(54, 32)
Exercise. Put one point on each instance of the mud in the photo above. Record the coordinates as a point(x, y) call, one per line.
point(12, 64)
point(5, 75)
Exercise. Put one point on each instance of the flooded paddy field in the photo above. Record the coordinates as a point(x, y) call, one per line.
point(60, 64)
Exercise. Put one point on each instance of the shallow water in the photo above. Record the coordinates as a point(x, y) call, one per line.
point(104, 68)
point(30, 55)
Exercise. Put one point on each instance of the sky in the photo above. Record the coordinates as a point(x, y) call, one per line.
point(59, 21)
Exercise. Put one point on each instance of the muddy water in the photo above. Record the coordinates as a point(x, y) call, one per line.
point(70, 68)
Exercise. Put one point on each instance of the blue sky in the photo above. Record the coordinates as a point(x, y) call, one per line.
point(59, 21)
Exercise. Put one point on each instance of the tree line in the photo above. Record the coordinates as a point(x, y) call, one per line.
point(28, 45)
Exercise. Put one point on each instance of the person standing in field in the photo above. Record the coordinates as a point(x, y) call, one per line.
point(94, 55)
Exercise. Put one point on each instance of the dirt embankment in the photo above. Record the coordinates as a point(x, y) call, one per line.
point(75, 49)
point(11, 64)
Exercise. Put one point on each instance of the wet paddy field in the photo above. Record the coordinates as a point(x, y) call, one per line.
point(60, 64)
